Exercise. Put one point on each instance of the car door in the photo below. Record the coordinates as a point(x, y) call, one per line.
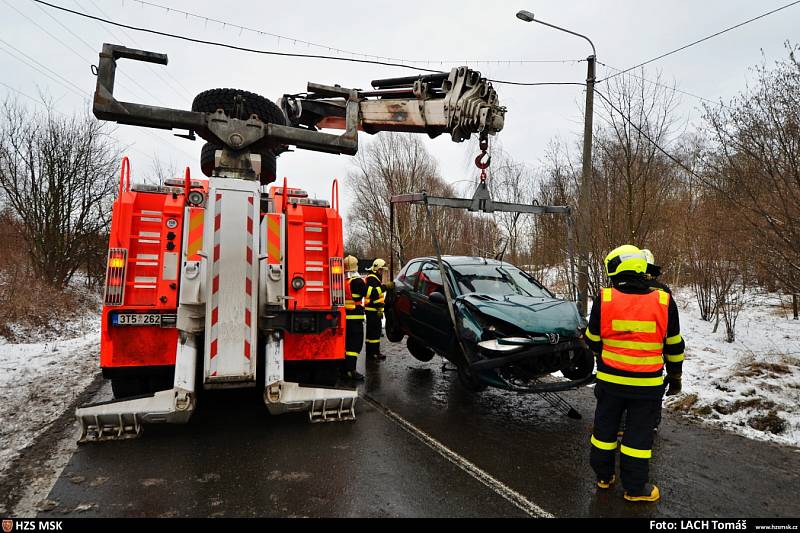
point(431, 320)
point(404, 287)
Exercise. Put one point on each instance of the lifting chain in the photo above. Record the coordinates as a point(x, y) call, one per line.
point(484, 159)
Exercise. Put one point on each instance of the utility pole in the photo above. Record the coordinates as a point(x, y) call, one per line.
point(585, 187)
point(585, 198)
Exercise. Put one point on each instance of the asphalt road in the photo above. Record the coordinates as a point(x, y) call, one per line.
point(422, 447)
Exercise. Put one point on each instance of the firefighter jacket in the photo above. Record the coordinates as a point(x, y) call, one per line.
point(354, 291)
point(376, 293)
point(634, 331)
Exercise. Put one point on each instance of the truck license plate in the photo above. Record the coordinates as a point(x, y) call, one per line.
point(137, 319)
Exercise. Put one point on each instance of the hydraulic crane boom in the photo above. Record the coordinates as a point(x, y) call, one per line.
point(460, 102)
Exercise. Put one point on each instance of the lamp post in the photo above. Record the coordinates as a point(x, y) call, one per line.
point(585, 187)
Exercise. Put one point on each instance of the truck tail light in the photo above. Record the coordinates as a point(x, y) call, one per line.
point(337, 281)
point(115, 276)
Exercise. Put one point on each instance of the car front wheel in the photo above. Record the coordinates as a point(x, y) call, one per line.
point(418, 350)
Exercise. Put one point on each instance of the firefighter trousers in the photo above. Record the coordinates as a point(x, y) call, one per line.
point(353, 342)
point(373, 337)
point(637, 441)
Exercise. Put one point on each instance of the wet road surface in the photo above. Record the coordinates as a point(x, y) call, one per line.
point(422, 446)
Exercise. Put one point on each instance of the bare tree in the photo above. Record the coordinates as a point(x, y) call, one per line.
point(399, 163)
point(57, 175)
point(755, 163)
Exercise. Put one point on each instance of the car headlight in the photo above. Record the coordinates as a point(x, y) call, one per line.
point(493, 345)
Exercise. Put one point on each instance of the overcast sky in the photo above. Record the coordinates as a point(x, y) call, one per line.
point(625, 32)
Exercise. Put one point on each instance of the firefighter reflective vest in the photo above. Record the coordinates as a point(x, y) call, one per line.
point(632, 329)
point(375, 293)
point(354, 298)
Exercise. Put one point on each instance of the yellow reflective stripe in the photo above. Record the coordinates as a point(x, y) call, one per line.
point(604, 445)
point(638, 326)
point(373, 341)
point(606, 295)
point(636, 382)
point(675, 358)
point(634, 345)
point(355, 295)
point(633, 452)
point(633, 360)
point(663, 298)
point(369, 291)
point(370, 309)
point(591, 336)
point(675, 339)
point(351, 354)
point(354, 317)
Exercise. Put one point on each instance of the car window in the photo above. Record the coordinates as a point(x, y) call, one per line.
point(430, 280)
point(410, 274)
point(497, 280)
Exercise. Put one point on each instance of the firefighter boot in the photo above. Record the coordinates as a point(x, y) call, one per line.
point(648, 493)
point(606, 484)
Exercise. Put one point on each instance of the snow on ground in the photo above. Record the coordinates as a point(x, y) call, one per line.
point(39, 380)
point(751, 386)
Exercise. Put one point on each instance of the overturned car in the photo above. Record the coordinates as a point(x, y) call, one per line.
point(510, 331)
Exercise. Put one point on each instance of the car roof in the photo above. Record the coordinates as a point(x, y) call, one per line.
point(463, 260)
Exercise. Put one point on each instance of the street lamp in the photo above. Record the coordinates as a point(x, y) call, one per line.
point(585, 192)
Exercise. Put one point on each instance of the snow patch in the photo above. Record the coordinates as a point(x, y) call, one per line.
point(750, 386)
point(39, 380)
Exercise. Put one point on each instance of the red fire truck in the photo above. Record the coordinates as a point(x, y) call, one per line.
point(234, 280)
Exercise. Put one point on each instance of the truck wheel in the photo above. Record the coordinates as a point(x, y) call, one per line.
point(269, 163)
point(225, 99)
point(469, 380)
point(128, 387)
point(419, 351)
point(581, 365)
point(253, 104)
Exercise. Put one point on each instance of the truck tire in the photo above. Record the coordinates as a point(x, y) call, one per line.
point(213, 99)
point(418, 350)
point(581, 365)
point(254, 104)
point(269, 163)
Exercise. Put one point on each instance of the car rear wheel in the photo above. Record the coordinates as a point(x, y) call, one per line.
point(580, 366)
point(418, 350)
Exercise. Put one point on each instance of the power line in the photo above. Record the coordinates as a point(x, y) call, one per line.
point(77, 54)
point(56, 77)
point(658, 147)
point(274, 52)
point(155, 71)
point(660, 84)
point(330, 48)
point(684, 47)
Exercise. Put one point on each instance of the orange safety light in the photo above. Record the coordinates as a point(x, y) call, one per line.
point(115, 276)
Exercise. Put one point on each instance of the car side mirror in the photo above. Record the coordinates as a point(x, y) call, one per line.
point(437, 298)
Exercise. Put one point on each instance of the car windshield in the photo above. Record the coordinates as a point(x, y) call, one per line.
point(496, 280)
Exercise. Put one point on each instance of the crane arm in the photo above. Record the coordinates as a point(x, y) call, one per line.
point(460, 103)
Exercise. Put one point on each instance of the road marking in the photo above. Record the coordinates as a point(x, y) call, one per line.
point(497, 486)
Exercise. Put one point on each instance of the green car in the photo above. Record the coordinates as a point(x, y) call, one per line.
point(512, 331)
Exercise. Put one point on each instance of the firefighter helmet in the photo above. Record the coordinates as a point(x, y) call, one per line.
point(350, 264)
point(649, 257)
point(653, 270)
point(378, 264)
point(625, 258)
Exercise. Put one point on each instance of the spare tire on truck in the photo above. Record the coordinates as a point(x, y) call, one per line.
point(251, 104)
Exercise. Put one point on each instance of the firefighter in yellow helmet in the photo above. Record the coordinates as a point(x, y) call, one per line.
point(354, 291)
point(376, 293)
point(632, 329)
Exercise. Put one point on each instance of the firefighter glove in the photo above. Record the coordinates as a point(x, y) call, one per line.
point(674, 385)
